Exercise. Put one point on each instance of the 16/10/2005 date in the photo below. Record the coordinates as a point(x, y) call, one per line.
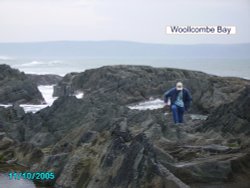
point(32, 175)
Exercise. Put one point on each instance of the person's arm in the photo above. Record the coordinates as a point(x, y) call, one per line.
point(167, 95)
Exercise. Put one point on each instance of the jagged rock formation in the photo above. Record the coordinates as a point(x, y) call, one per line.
point(47, 79)
point(98, 142)
point(15, 87)
point(129, 84)
point(231, 119)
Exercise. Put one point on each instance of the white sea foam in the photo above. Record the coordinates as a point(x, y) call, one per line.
point(148, 105)
point(79, 94)
point(35, 63)
point(33, 108)
point(32, 63)
point(5, 58)
point(5, 105)
point(47, 92)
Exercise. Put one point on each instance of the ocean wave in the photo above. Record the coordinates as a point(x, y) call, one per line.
point(35, 63)
point(47, 92)
point(32, 64)
point(5, 58)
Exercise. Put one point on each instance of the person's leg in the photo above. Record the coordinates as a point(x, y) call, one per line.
point(180, 111)
point(175, 113)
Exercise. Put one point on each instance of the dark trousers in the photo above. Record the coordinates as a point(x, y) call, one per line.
point(178, 113)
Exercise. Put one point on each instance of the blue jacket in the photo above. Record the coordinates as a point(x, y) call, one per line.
point(173, 94)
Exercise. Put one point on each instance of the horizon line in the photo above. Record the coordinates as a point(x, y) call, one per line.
point(121, 41)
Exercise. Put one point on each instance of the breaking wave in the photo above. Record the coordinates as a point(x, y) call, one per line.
point(47, 93)
point(5, 58)
point(35, 63)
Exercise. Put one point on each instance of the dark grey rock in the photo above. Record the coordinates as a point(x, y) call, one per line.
point(130, 84)
point(5, 142)
point(15, 87)
point(46, 79)
point(98, 142)
point(27, 154)
point(233, 118)
point(41, 139)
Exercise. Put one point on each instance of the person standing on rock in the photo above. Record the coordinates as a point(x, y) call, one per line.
point(179, 99)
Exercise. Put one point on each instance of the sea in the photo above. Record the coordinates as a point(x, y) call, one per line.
point(220, 67)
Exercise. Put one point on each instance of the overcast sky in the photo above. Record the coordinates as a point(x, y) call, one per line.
point(130, 20)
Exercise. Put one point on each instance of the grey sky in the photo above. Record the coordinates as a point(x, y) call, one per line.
point(132, 20)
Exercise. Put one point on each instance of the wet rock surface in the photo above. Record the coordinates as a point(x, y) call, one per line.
point(15, 87)
point(47, 79)
point(97, 141)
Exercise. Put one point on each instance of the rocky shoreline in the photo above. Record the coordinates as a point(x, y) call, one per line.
point(15, 87)
point(47, 79)
point(97, 141)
